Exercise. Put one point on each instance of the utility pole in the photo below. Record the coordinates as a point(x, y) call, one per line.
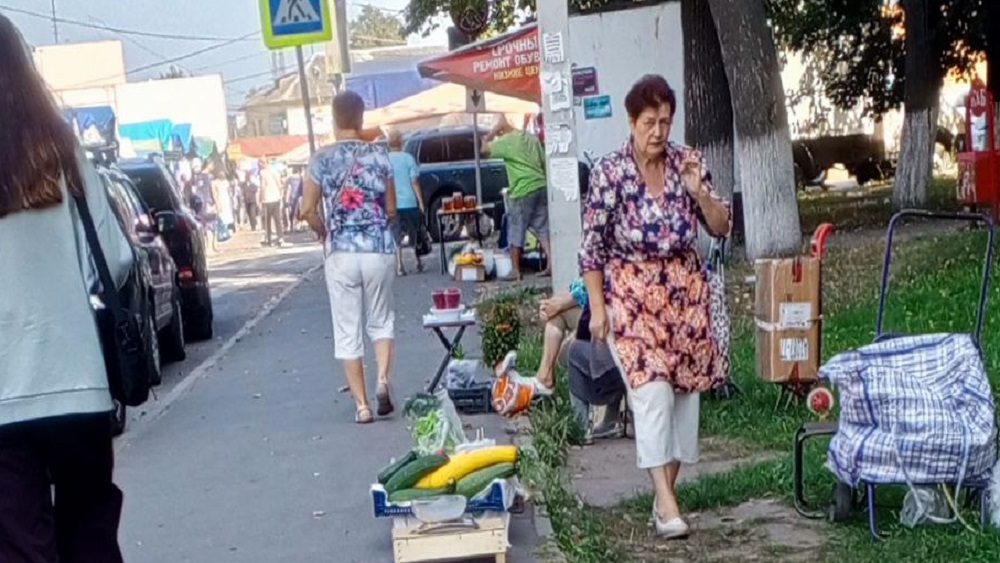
point(55, 23)
point(306, 98)
point(562, 163)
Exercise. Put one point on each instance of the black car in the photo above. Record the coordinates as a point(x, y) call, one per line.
point(185, 237)
point(150, 290)
point(447, 160)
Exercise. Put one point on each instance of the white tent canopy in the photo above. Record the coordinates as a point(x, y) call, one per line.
point(443, 100)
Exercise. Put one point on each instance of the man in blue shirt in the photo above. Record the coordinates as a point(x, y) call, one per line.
point(409, 201)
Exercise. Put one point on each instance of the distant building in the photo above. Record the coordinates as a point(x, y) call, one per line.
point(381, 76)
point(83, 74)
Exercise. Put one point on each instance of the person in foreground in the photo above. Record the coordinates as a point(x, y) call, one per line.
point(355, 180)
point(55, 422)
point(649, 295)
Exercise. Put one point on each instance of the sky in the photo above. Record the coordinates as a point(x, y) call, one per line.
point(243, 64)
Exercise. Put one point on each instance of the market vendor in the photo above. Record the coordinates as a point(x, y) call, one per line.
point(567, 341)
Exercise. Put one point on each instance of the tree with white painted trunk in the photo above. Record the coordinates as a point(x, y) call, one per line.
point(763, 146)
point(708, 115)
point(923, 86)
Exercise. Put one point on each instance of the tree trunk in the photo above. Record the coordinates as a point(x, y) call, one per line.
point(763, 146)
point(923, 85)
point(708, 115)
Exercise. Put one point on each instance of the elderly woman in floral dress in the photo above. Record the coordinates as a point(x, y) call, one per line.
point(649, 294)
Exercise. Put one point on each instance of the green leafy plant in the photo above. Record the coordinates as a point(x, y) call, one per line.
point(501, 331)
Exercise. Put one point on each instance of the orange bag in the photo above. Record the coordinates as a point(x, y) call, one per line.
point(512, 394)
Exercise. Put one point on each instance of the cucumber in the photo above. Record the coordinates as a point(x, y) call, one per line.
point(474, 483)
point(405, 495)
point(391, 469)
point(409, 474)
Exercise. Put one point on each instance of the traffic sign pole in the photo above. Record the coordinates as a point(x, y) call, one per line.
point(306, 102)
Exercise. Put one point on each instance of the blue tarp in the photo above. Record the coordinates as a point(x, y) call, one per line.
point(159, 130)
point(385, 88)
point(95, 125)
point(181, 136)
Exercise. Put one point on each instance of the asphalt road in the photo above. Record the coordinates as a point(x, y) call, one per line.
point(249, 453)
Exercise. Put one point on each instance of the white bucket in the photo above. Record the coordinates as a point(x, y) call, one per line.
point(504, 265)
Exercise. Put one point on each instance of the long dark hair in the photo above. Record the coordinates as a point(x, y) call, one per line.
point(38, 149)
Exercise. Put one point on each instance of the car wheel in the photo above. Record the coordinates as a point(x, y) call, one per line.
point(200, 328)
point(118, 419)
point(172, 338)
point(153, 360)
point(451, 226)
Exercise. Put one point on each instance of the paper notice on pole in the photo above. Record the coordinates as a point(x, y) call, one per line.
point(558, 137)
point(552, 48)
point(564, 175)
point(557, 88)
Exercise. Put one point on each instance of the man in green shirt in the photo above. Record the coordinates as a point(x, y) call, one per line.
point(524, 157)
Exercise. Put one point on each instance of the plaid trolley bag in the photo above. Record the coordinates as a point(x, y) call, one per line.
point(915, 410)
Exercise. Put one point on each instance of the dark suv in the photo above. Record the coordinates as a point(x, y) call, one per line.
point(447, 159)
point(184, 236)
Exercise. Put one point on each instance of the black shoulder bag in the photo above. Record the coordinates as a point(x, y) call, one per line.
point(120, 333)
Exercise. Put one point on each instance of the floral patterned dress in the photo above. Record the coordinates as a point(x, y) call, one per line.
point(654, 280)
point(353, 176)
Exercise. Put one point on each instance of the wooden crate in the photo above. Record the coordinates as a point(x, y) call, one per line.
point(489, 540)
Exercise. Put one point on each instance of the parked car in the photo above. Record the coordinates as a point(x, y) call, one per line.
point(150, 291)
point(862, 155)
point(184, 236)
point(447, 160)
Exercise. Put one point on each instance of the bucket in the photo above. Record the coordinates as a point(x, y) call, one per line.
point(504, 266)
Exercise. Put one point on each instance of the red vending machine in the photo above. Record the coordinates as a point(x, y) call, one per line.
point(979, 164)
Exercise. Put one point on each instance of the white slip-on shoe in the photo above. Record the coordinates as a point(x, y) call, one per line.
point(675, 528)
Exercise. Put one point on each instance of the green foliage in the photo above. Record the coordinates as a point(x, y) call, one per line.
point(501, 331)
point(376, 28)
point(504, 14)
point(858, 50)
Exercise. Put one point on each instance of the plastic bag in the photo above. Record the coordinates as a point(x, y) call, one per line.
point(461, 374)
point(924, 505)
point(440, 428)
point(512, 393)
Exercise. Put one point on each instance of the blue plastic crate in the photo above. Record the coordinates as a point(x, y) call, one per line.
point(498, 499)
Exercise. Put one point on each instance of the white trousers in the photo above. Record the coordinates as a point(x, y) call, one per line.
point(666, 423)
point(360, 289)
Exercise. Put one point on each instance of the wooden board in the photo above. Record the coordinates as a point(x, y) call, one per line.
point(489, 540)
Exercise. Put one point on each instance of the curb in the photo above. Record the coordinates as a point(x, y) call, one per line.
point(158, 408)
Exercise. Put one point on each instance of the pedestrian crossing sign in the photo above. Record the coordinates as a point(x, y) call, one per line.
point(290, 23)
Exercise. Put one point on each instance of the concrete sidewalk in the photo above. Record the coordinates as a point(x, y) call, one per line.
point(260, 461)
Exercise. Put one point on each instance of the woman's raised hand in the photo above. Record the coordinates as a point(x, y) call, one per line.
point(691, 173)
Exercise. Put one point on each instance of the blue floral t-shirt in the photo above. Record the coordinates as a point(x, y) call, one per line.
point(353, 176)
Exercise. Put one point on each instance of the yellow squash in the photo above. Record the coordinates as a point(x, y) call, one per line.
point(466, 463)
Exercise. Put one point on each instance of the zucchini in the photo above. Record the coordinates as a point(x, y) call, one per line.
point(474, 483)
point(409, 474)
point(391, 469)
point(406, 495)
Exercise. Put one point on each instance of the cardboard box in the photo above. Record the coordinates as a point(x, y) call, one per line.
point(470, 273)
point(788, 317)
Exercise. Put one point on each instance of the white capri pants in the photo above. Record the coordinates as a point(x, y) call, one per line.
point(666, 423)
point(360, 288)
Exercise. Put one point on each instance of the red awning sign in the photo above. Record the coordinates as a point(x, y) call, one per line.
point(508, 64)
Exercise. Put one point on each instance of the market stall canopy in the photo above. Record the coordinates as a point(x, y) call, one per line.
point(181, 136)
point(507, 64)
point(299, 156)
point(95, 126)
point(143, 133)
point(446, 99)
point(205, 147)
point(272, 146)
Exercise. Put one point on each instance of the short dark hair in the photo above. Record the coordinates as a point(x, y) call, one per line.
point(348, 111)
point(651, 91)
